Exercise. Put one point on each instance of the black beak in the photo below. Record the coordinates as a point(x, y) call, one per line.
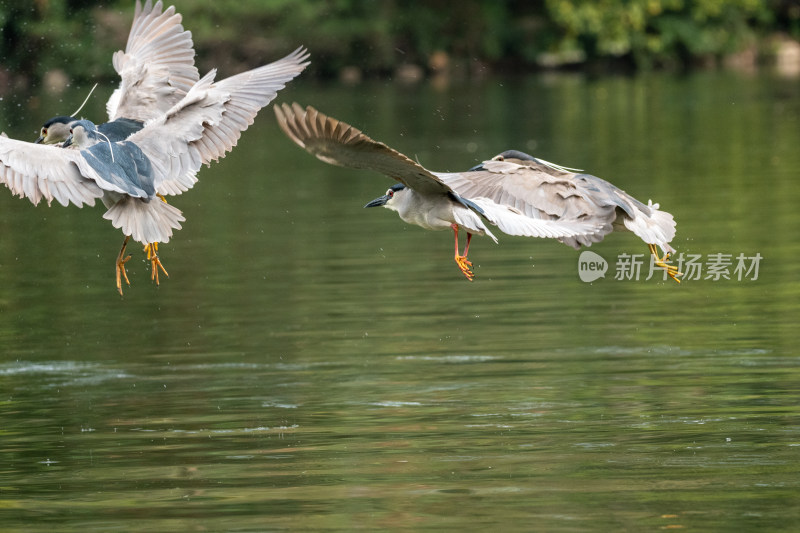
point(67, 142)
point(377, 202)
point(40, 140)
point(476, 167)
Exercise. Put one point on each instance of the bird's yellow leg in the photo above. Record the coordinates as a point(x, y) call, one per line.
point(155, 263)
point(121, 260)
point(463, 263)
point(672, 270)
point(152, 253)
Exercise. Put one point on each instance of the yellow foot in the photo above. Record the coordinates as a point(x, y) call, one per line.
point(121, 260)
point(465, 265)
point(121, 273)
point(672, 270)
point(155, 262)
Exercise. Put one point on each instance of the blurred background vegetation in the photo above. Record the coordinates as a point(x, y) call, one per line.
point(351, 39)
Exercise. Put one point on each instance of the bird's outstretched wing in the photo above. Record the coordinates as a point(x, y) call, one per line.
point(338, 143)
point(513, 222)
point(39, 171)
point(544, 192)
point(157, 66)
point(244, 96)
point(534, 192)
point(209, 120)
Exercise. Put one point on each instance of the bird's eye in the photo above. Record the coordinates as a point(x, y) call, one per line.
point(44, 131)
point(390, 193)
point(499, 158)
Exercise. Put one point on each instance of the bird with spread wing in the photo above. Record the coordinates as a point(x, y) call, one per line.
point(185, 122)
point(517, 193)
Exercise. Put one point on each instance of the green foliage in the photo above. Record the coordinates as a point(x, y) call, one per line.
point(377, 36)
point(658, 30)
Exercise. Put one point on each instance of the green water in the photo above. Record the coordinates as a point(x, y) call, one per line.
point(311, 365)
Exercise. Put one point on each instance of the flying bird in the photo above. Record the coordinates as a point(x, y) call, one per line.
point(156, 71)
point(185, 124)
point(420, 197)
point(518, 193)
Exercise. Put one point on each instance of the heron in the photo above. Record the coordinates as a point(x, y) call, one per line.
point(520, 194)
point(133, 176)
point(156, 70)
point(420, 197)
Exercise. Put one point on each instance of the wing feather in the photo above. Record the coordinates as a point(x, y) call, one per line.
point(248, 93)
point(338, 143)
point(545, 192)
point(157, 67)
point(208, 121)
point(533, 192)
point(43, 172)
point(511, 221)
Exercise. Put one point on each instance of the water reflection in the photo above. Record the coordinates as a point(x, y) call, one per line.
point(311, 364)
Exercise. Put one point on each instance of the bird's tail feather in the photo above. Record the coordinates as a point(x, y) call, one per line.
point(657, 228)
point(147, 220)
